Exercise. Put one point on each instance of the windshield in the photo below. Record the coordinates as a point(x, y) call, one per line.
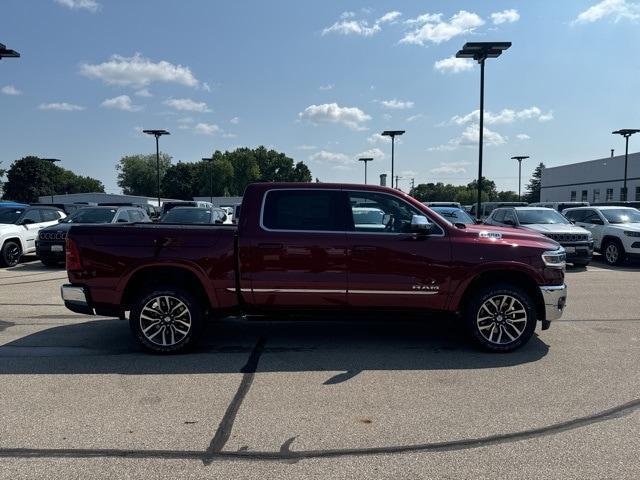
point(188, 215)
point(454, 215)
point(621, 215)
point(542, 216)
point(92, 215)
point(10, 215)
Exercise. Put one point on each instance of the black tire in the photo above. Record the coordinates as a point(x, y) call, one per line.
point(507, 324)
point(49, 263)
point(10, 254)
point(137, 322)
point(613, 252)
point(581, 263)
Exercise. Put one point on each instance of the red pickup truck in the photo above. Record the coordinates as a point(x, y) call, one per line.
point(321, 248)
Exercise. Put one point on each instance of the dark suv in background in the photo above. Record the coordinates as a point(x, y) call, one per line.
point(50, 245)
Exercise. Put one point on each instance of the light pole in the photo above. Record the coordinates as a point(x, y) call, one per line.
point(7, 53)
point(365, 160)
point(480, 51)
point(210, 178)
point(392, 134)
point(519, 158)
point(52, 161)
point(157, 134)
point(626, 133)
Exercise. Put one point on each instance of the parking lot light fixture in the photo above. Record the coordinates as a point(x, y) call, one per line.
point(365, 160)
point(210, 178)
point(392, 134)
point(7, 53)
point(480, 51)
point(157, 134)
point(519, 158)
point(626, 133)
point(52, 161)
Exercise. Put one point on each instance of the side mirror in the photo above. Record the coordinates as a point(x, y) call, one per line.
point(420, 224)
point(509, 222)
point(386, 218)
point(27, 221)
point(122, 220)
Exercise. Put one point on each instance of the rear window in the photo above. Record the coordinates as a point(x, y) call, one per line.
point(93, 215)
point(318, 210)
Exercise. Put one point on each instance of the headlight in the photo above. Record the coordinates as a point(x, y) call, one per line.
point(555, 258)
point(632, 234)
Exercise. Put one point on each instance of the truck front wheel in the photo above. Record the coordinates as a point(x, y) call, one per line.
point(500, 318)
point(166, 319)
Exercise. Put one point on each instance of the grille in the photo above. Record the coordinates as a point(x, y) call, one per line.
point(52, 235)
point(568, 237)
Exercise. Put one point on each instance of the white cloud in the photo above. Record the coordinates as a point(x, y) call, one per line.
point(138, 71)
point(235, 120)
point(396, 104)
point(414, 117)
point(616, 9)
point(206, 128)
point(453, 65)
point(523, 136)
point(506, 16)
point(144, 93)
point(389, 17)
point(433, 29)
point(351, 117)
point(10, 90)
point(90, 5)
point(450, 168)
point(374, 153)
point(327, 87)
point(331, 158)
point(470, 137)
point(187, 105)
point(378, 138)
point(505, 116)
point(349, 25)
point(206, 87)
point(122, 102)
point(62, 106)
point(306, 147)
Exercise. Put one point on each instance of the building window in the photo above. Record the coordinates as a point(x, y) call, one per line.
point(573, 195)
point(585, 195)
point(596, 194)
point(609, 195)
point(637, 194)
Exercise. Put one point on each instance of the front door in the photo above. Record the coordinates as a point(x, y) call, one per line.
point(297, 256)
point(389, 266)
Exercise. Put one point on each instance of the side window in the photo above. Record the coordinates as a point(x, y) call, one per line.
point(123, 216)
point(319, 210)
point(380, 213)
point(33, 215)
point(136, 216)
point(576, 215)
point(590, 215)
point(510, 217)
point(49, 215)
point(498, 216)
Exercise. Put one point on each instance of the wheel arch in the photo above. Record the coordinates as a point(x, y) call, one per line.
point(515, 277)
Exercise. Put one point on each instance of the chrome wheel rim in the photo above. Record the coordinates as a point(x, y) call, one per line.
point(13, 255)
point(165, 321)
point(501, 319)
point(611, 253)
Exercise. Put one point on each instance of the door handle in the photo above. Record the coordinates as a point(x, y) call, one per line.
point(364, 249)
point(271, 246)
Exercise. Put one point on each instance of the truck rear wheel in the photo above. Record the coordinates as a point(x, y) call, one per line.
point(166, 319)
point(500, 318)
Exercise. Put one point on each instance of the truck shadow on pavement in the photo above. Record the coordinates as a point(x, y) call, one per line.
point(348, 347)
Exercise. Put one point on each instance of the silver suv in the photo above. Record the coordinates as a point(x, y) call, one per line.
point(577, 242)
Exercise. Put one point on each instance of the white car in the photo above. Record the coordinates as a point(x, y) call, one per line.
point(19, 228)
point(615, 230)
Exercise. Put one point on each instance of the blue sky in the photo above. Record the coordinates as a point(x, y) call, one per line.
point(318, 80)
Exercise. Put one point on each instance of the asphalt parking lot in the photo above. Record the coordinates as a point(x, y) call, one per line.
point(335, 399)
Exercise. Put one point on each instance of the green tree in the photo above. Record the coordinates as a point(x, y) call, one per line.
point(178, 181)
point(137, 174)
point(532, 190)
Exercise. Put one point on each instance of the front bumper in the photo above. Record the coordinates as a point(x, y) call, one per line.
point(44, 250)
point(578, 250)
point(76, 299)
point(555, 299)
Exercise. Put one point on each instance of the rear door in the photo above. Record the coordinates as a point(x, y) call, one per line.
point(389, 266)
point(297, 256)
point(590, 219)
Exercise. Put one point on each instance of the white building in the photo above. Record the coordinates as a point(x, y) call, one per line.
point(593, 181)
